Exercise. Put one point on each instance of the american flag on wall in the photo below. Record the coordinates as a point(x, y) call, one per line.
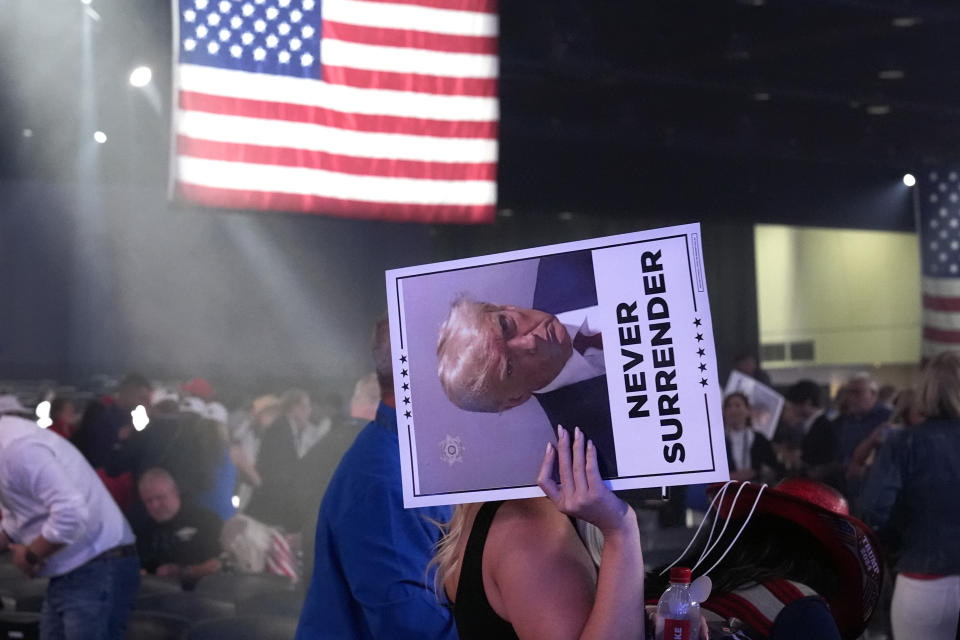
point(939, 229)
point(363, 108)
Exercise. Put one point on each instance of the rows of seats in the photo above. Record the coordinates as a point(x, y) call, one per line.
point(234, 606)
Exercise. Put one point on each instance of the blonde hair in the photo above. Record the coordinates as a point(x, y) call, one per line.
point(445, 553)
point(938, 394)
point(468, 357)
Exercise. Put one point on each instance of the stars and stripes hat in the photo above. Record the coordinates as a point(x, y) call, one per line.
point(824, 513)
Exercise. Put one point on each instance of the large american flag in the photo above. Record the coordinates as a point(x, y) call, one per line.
point(939, 229)
point(364, 108)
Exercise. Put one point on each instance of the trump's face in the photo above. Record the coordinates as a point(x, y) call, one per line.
point(535, 346)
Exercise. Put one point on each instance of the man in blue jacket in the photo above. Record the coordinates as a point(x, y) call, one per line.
point(370, 575)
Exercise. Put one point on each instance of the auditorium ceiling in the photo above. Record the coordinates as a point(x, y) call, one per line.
point(731, 107)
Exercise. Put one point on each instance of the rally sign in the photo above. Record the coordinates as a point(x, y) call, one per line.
point(612, 335)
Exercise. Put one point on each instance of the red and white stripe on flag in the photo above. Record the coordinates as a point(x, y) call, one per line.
point(941, 315)
point(280, 560)
point(400, 121)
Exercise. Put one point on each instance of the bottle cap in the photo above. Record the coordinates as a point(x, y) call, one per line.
point(680, 574)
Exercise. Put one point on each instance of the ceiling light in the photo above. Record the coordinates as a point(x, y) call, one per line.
point(140, 77)
point(905, 22)
point(891, 74)
point(878, 109)
point(909, 180)
point(28, 133)
point(100, 136)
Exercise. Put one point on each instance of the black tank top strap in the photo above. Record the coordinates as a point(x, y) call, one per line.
point(474, 616)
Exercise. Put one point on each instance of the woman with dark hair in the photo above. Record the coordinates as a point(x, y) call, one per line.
point(909, 496)
point(749, 453)
point(787, 563)
point(208, 465)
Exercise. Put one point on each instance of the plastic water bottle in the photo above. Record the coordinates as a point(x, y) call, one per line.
point(678, 616)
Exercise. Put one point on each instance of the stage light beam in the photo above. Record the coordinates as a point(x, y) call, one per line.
point(909, 180)
point(141, 76)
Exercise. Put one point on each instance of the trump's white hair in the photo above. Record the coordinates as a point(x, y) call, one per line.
point(469, 358)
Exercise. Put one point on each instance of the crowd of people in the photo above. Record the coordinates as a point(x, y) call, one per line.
point(786, 542)
point(842, 494)
point(890, 456)
point(200, 465)
point(174, 482)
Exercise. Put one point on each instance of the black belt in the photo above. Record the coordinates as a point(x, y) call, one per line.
point(124, 551)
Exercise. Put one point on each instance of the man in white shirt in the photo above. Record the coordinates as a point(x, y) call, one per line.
point(60, 522)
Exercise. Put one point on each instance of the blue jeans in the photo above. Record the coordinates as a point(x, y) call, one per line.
point(92, 602)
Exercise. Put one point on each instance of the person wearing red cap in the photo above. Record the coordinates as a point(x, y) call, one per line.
point(199, 388)
point(787, 563)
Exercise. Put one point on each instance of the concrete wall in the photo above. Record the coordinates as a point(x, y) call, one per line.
point(856, 294)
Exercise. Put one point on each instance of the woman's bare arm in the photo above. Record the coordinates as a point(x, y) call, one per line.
point(544, 580)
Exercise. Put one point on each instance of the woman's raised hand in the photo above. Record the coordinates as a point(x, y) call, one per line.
point(581, 493)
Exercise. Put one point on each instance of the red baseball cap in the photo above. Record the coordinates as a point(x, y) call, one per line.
point(824, 513)
point(198, 387)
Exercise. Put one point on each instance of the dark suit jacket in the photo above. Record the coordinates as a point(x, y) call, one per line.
point(821, 445)
point(585, 405)
point(821, 448)
point(566, 282)
point(275, 501)
point(761, 454)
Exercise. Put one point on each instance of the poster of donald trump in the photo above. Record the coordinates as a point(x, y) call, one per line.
point(612, 335)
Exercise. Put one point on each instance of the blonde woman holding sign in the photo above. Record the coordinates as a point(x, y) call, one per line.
point(518, 569)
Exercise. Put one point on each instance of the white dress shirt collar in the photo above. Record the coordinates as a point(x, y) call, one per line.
point(579, 367)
